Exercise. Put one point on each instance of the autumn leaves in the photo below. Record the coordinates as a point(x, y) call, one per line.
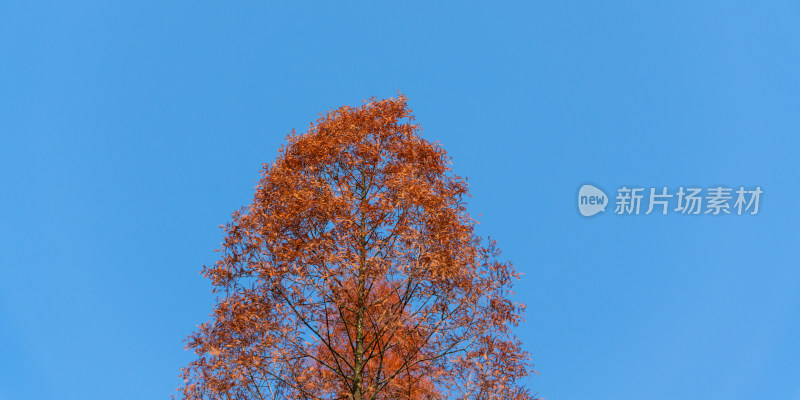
point(355, 273)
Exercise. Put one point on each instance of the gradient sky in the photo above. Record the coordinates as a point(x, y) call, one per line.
point(130, 132)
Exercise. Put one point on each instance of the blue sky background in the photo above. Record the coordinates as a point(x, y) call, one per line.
point(130, 132)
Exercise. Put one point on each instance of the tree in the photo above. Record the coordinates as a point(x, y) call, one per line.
point(356, 273)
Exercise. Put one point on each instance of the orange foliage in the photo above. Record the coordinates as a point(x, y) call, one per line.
point(356, 274)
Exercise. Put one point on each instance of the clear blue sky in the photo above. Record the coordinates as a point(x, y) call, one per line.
point(129, 132)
